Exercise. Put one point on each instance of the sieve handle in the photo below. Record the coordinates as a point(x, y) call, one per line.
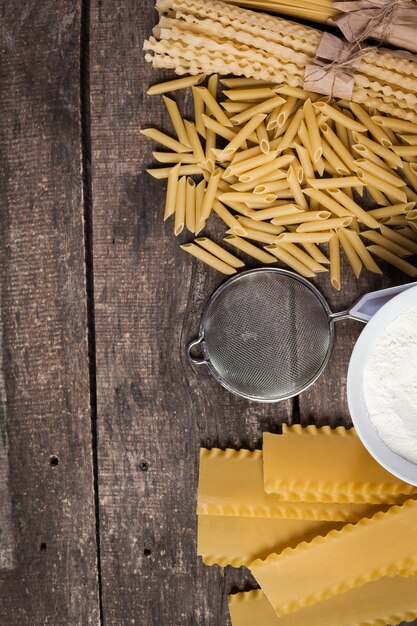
point(366, 307)
point(191, 346)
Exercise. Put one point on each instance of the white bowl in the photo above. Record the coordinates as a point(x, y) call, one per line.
point(393, 462)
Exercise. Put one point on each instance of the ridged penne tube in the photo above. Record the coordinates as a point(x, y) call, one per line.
point(321, 237)
point(272, 119)
point(228, 218)
point(313, 130)
point(208, 258)
point(249, 94)
point(177, 121)
point(243, 134)
point(375, 130)
point(391, 211)
point(279, 185)
point(239, 82)
point(409, 139)
point(266, 227)
point(303, 257)
point(235, 107)
point(334, 254)
point(333, 164)
point(212, 124)
point(405, 151)
point(386, 243)
point(339, 117)
point(175, 157)
point(165, 140)
point(334, 183)
point(173, 85)
point(301, 217)
point(235, 196)
point(354, 209)
point(257, 235)
point(219, 252)
point(314, 251)
point(184, 170)
point(327, 202)
point(387, 155)
point(262, 108)
point(210, 158)
point(377, 195)
point(305, 160)
point(295, 187)
point(315, 226)
point(262, 137)
point(398, 238)
point(286, 110)
point(210, 194)
point(292, 130)
point(253, 162)
point(213, 106)
point(351, 254)
point(171, 194)
point(179, 217)
point(396, 220)
point(410, 172)
point(198, 112)
point(250, 249)
point(395, 124)
point(194, 141)
point(320, 561)
point(361, 251)
point(411, 215)
point(380, 172)
point(337, 146)
point(190, 204)
point(411, 194)
point(275, 211)
point(263, 171)
point(199, 199)
point(245, 154)
point(393, 259)
point(383, 185)
point(292, 262)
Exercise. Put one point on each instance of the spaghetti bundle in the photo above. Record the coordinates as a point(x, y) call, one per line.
point(210, 36)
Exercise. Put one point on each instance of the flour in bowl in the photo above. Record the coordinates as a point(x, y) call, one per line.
point(390, 385)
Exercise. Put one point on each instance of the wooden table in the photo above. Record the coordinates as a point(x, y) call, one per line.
point(101, 415)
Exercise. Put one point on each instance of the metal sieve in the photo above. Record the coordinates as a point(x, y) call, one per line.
point(267, 334)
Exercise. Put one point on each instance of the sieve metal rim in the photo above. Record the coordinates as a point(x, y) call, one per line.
point(201, 336)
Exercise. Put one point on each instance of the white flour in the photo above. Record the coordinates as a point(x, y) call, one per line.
point(390, 385)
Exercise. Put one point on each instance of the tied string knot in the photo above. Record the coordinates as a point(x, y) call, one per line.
point(391, 21)
point(331, 72)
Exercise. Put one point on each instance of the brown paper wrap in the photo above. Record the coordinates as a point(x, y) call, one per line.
point(391, 21)
point(331, 72)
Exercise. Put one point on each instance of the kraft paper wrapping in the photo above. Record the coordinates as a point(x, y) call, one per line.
point(331, 72)
point(391, 21)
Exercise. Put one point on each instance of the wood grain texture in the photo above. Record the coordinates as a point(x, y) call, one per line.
point(152, 405)
point(43, 294)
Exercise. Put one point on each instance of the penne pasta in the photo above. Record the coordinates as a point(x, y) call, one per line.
point(165, 140)
point(235, 107)
point(272, 119)
point(361, 251)
point(250, 249)
point(392, 210)
point(190, 205)
point(194, 141)
point(380, 172)
point(354, 209)
point(334, 183)
point(219, 252)
point(228, 218)
point(337, 146)
point(275, 212)
point(179, 217)
point(332, 164)
point(184, 170)
point(301, 217)
point(290, 260)
point(274, 187)
point(342, 135)
point(409, 139)
point(303, 257)
point(399, 239)
point(262, 137)
point(292, 130)
point(262, 108)
point(387, 155)
point(213, 106)
point(210, 194)
point(305, 161)
point(200, 191)
point(386, 243)
point(405, 151)
point(334, 253)
point(395, 124)
point(339, 117)
point(208, 258)
point(394, 260)
point(173, 85)
point(177, 121)
point(377, 195)
point(313, 130)
point(286, 110)
point(241, 82)
point(243, 134)
point(249, 94)
point(266, 227)
point(350, 252)
point(175, 157)
point(250, 169)
point(171, 194)
point(199, 112)
point(375, 130)
point(328, 203)
point(383, 185)
point(257, 235)
point(315, 226)
point(295, 187)
point(321, 237)
point(314, 251)
point(246, 198)
point(262, 173)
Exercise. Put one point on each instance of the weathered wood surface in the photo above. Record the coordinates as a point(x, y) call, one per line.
point(152, 406)
point(43, 324)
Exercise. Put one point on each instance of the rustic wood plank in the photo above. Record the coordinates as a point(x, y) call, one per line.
point(154, 410)
point(44, 322)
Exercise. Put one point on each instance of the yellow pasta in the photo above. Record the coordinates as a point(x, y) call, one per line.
point(243, 134)
point(334, 253)
point(339, 117)
point(262, 137)
point(213, 106)
point(228, 218)
point(241, 82)
point(353, 208)
point(290, 260)
point(380, 172)
point(305, 160)
point(275, 187)
point(350, 252)
point(198, 112)
point(312, 227)
point(235, 107)
point(321, 237)
point(410, 139)
point(208, 258)
point(246, 165)
point(286, 110)
point(328, 203)
point(375, 130)
point(210, 194)
point(301, 217)
point(284, 210)
point(165, 140)
point(171, 194)
point(303, 257)
point(394, 260)
point(250, 249)
point(398, 238)
point(314, 251)
point(377, 195)
point(194, 141)
point(262, 171)
point(387, 155)
point(219, 252)
point(179, 217)
point(257, 235)
point(405, 151)
point(177, 121)
point(267, 227)
point(392, 210)
point(190, 205)
point(361, 251)
point(262, 108)
point(175, 157)
point(334, 183)
point(395, 124)
point(200, 191)
point(184, 170)
point(292, 130)
point(173, 85)
point(313, 130)
point(386, 243)
point(383, 185)
point(249, 94)
point(235, 196)
point(337, 146)
point(332, 163)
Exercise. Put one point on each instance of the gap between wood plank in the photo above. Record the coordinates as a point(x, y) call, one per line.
point(88, 235)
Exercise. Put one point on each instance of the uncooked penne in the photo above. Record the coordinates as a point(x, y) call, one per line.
point(334, 183)
point(290, 260)
point(249, 94)
point(392, 210)
point(377, 131)
point(405, 151)
point(165, 140)
point(210, 194)
point(173, 85)
point(228, 218)
point(243, 134)
point(387, 155)
point(325, 201)
point(394, 260)
point(246, 198)
point(395, 124)
point(313, 130)
point(179, 218)
point(321, 237)
point(199, 112)
point(213, 106)
point(339, 117)
point(296, 188)
point(383, 185)
point(208, 258)
point(266, 227)
point(257, 235)
point(219, 252)
point(303, 257)
point(332, 163)
point(315, 226)
point(386, 243)
point(200, 191)
point(190, 204)
point(185, 158)
point(250, 249)
point(350, 252)
point(334, 253)
point(361, 251)
point(314, 251)
point(177, 121)
point(305, 161)
point(338, 147)
point(262, 137)
point(398, 238)
point(237, 169)
point(184, 170)
point(380, 172)
point(262, 108)
point(353, 208)
point(292, 130)
point(171, 194)
point(194, 141)
point(278, 211)
point(301, 217)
